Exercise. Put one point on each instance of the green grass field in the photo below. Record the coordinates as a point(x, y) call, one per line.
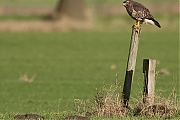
point(71, 65)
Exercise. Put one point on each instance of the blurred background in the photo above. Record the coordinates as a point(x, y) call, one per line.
point(70, 15)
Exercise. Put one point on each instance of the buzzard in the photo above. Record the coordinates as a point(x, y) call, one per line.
point(139, 13)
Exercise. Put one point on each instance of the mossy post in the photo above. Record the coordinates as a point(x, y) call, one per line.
point(131, 63)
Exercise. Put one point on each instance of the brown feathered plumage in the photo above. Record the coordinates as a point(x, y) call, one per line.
point(139, 13)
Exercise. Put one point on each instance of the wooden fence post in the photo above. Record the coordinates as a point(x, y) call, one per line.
point(131, 63)
point(149, 66)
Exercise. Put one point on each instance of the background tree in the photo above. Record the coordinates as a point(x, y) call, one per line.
point(71, 8)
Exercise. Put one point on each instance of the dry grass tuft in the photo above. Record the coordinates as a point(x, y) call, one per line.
point(162, 107)
point(109, 102)
point(106, 103)
point(164, 71)
point(24, 78)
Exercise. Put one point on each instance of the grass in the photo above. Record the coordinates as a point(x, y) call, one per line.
point(20, 17)
point(66, 67)
point(108, 103)
point(169, 22)
point(106, 23)
point(52, 3)
point(28, 3)
point(70, 65)
point(111, 20)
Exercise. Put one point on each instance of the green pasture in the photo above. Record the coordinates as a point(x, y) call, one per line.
point(71, 65)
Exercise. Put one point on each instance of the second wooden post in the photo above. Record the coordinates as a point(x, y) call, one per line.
point(149, 66)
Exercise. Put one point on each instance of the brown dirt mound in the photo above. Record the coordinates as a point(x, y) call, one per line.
point(28, 116)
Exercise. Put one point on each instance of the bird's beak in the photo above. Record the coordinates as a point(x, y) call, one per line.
point(124, 3)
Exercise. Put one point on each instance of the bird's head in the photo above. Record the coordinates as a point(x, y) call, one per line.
point(127, 3)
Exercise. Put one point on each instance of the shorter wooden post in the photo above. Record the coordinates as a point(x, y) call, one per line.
point(149, 66)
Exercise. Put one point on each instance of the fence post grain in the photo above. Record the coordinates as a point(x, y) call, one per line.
point(131, 63)
point(149, 66)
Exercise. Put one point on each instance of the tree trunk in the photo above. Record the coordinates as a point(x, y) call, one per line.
point(71, 8)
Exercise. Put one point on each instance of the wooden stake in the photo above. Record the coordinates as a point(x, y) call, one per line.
point(131, 63)
point(149, 66)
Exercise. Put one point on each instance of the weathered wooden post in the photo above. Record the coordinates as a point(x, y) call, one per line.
point(149, 66)
point(131, 63)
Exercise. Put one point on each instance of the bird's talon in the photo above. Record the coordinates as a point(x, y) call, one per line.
point(137, 25)
point(137, 28)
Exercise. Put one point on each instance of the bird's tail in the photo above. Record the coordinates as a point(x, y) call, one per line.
point(156, 23)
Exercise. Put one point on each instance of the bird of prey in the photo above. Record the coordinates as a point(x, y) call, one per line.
point(140, 13)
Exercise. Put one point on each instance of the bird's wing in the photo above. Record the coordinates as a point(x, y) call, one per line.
point(141, 11)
